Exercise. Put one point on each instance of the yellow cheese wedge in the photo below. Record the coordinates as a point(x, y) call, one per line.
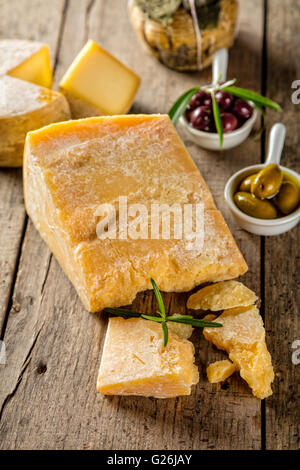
point(25, 106)
point(74, 167)
point(220, 370)
point(27, 60)
point(135, 362)
point(222, 295)
point(243, 337)
point(96, 83)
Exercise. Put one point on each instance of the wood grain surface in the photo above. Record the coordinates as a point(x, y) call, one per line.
point(48, 396)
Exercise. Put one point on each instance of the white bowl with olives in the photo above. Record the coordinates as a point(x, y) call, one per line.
point(265, 198)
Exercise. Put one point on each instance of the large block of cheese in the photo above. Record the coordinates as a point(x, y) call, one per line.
point(25, 106)
point(71, 168)
point(96, 83)
point(135, 362)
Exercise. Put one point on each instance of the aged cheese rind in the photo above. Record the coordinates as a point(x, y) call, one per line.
point(72, 167)
point(220, 370)
point(135, 362)
point(23, 108)
point(221, 296)
point(96, 83)
point(243, 337)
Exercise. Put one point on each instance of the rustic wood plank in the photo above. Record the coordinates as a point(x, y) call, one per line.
point(282, 260)
point(54, 346)
point(42, 23)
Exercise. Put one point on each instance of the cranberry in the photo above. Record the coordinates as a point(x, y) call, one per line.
point(201, 118)
point(229, 122)
point(201, 98)
point(242, 109)
point(224, 100)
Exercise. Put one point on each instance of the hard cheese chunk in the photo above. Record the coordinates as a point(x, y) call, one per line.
point(135, 362)
point(24, 107)
point(243, 337)
point(220, 370)
point(26, 60)
point(222, 295)
point(97, 83)
point(71, 168)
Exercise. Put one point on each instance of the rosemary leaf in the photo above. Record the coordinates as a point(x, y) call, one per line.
point(217, 118)
point(180, 105)
point(252, 96)
point(166, 333)
point(159, 299)
point(122, 312)
point(150, 317)
point(195, 322)
point(176, 316)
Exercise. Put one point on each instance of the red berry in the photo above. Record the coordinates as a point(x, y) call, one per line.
point(242, 109)
point(201, 118)
point(224, 100)
point(201, 98)
point(229, 122)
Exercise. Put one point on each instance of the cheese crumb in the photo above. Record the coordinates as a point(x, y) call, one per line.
point(220, 370)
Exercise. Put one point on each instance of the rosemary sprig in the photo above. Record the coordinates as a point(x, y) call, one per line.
point(217, 117)
point(259, 101)
point(163, 318)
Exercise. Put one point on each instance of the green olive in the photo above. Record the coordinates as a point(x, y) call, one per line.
point(267, 182)
point(288, 197)
point(251, 205)
point(246, 183)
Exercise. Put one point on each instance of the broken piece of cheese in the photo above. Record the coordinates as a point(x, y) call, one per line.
point(222, 295)
point(220, 370)
point(243, 337)
point(135, 362)
point(25, 106)
point(71, 168)
point(96, 83)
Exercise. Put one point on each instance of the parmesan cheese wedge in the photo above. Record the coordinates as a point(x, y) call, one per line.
point(135, 362)
point(73, 168)
point(25, 106)
point(96, 83)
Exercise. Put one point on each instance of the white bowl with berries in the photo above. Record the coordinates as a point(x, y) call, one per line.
point(219, 116)
point(237, 121)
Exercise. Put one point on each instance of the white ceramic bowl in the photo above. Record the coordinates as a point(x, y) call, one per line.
point(252, 224)
point(210, 140)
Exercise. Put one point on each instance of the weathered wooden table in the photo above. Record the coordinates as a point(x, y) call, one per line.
point(48, 396)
